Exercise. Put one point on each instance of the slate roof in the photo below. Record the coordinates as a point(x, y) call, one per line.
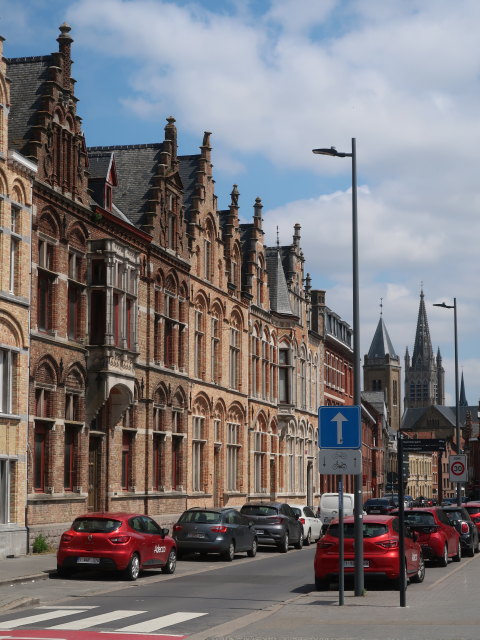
point(277, 283)
point(27, 76)
point(136, 166)
point(381, 344)
point(99, 164)
point(188, 175)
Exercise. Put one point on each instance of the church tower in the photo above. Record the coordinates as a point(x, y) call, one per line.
point(424, 374)
point(382, 370)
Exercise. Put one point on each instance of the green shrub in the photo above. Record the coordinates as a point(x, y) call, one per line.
point(40, 544)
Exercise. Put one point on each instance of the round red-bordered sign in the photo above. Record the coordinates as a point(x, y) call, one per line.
point(457, 468)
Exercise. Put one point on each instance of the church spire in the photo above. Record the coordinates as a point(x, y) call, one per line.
point(462, 400)
point(422, 350)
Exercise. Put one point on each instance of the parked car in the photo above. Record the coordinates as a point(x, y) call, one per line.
point(448, 501)
point(328, 506)
point(473, 509)
point(275, 523)
point(223, 531)
point(380, 551)
point(312, 524)
point(379, 505)
point(469, 536)
point(126, 542)
point(437, 536)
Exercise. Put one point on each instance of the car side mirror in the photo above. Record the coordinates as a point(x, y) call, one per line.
point(164, 532)
point(250, 523)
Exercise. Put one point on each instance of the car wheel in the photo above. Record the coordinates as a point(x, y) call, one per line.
point(299, 544)
point(307, 541)
point(171, 563)
point(420, 575)
point(133, 568)
point(321, 584)
point(251, 553)
point(458, 557)
point(229, 554)
point(283, 546)
point(63, 573)
point(443, 561)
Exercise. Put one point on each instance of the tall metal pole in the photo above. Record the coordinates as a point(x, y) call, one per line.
point(457, 419)
point(357, 395)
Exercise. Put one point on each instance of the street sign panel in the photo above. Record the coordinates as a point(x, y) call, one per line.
point(340, 461)
point(339, 427)
point(416, 444)
point(457, 466)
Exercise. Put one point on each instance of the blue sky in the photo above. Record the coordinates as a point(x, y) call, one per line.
point(273, 79)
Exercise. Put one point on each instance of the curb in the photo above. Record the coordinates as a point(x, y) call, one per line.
point(19, 602)
point(32, 578)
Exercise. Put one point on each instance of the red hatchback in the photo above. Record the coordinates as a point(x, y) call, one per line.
point(473, 509)
point(380, 551)
point(126, 542)
point(437, 536)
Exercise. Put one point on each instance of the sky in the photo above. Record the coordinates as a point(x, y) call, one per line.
point(273, 79)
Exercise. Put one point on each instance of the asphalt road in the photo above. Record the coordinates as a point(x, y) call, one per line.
point(270, 596)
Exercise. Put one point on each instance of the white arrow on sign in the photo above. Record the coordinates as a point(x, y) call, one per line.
point(339, 419)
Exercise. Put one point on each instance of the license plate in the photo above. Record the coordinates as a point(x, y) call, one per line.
point(196, 535)
point(351, 563)
point(260, 531)
point(88, 560)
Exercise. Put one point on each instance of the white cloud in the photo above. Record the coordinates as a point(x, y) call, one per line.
point(403, 78)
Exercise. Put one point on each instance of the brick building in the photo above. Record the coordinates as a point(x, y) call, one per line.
point(16, 174)
point(175, 359)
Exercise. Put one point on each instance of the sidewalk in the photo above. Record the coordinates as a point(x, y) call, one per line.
point(36, 566)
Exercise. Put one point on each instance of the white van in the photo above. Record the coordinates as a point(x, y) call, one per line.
point(329, 506)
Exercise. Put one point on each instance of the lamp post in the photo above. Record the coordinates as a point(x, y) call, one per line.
point(457, 420)
point(357, 400)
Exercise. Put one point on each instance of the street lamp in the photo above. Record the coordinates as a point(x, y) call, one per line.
point(457, 420)
point(357, 400)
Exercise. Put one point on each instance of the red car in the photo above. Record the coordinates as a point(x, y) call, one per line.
point(380, 551)
point(473, 509)
point(437, 536)
point(126, 542)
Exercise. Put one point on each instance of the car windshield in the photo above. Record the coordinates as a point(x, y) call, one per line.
point(199, 517)
point(95, 525)
point(419, 518)
point(370, 530)
point(258, 510)
point(380, 501)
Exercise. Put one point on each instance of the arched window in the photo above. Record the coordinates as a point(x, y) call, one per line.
point(255, 361)
point(199, 341)
point(235, 353)
point(199, 441)
point(215, 349)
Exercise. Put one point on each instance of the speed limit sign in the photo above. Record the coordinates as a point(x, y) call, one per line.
point(457, 466)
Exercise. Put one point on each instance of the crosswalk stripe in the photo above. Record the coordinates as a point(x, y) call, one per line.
point(71, 607)
point(40, 617)
point(84, 623)
point(160, 623)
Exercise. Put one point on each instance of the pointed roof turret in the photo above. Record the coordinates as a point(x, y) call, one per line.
point(422, 350)
point(462, 401)
point(381, 344)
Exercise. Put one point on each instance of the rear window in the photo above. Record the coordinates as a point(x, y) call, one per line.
point(379, 501)
point(95, 525)
point(258, 510)
point(207, 517)
point(297, 511)
point(419, 518)
point(454, 515)
point(370, 530)
point(473, 509)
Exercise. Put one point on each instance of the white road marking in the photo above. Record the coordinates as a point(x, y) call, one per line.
point(160, 623)
point(40, 617)
point(84, 623)
point(73, 607)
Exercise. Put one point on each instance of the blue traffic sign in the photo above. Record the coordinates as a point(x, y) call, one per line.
point(339, 427)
